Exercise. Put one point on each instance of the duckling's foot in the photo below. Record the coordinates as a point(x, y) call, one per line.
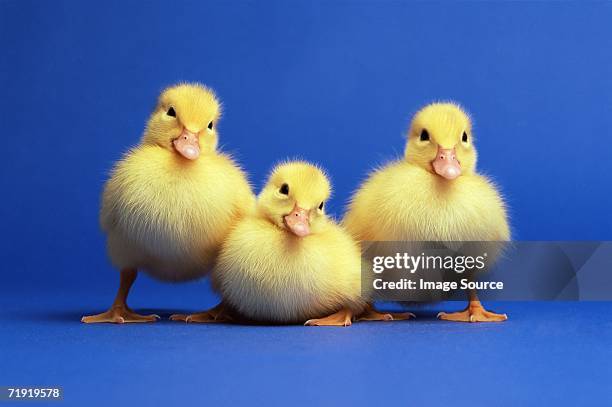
point(216, 314)
point(344, 317)
point(475, 312)
point(119, 314)
point(370, 314)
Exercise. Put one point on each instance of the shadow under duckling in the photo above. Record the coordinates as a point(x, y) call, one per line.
point(434, 194)
point(288, 262)
point(171, 201)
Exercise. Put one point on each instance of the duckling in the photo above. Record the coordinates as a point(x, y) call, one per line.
point(288, 262)
point(171, 200)
point(433, 194)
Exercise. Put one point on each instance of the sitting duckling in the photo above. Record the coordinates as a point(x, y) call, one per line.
point(171, 200)
point(289, 262)
point(434, 194)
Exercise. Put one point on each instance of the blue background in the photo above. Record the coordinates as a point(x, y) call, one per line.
point(332, 82)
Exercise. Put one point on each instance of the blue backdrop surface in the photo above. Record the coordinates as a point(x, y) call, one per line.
point(331, 82)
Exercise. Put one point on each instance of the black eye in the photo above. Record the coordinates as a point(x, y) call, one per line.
point(171, 112)
point(321, 206)
point(464, 138)
point(284, 189)
point(210, 126)
point(424, 135)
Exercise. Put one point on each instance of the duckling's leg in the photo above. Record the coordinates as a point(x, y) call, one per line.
point(474, 312)
point(370, 314)
point(119, 312)
point(217, 314)
point(344, 317)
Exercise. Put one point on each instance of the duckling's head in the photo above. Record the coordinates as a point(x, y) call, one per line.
point(294, 198)
point(184, 121)
point(440, 141)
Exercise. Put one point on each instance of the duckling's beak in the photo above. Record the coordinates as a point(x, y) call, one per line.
point(446, 164)
point(187, 144)
point(298, 222)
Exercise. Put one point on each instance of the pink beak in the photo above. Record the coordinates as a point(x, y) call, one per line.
point(297, 221)
point(446, 164)
point(187, 144)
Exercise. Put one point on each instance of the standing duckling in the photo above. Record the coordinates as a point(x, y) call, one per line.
point(288, 262)
point(434, 194)
point(171, 200)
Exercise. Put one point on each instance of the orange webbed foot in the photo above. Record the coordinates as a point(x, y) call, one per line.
point(343, 317)
point(214, 315)
point(370, 314)
point(475, 312)
point(119, 315)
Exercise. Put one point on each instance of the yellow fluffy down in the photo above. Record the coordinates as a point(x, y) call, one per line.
point(169, 215)
point(405, 202)
point(269, 275)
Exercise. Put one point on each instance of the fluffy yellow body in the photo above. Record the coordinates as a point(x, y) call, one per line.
point(167, 215)
point(268, 274)
point(403, 201)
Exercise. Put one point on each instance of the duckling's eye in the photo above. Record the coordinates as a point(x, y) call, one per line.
point(321, 206)
point(171, 112)
point(210, 126)
point(465, 137)
point(424, 135)
point(284, 189)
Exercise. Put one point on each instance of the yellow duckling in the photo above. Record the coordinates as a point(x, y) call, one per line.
point(289, 262)
point(171, 200)
point(433, 194)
